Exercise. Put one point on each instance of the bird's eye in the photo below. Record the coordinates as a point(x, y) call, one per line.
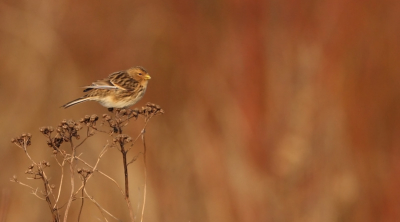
point(139, 73)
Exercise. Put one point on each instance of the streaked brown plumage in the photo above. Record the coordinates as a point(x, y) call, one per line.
point(121, 89)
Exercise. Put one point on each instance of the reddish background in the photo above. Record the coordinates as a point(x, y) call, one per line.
point(275, 110)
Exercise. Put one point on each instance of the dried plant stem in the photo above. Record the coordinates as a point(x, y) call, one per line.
point(47, 188)
point(83, 200)
point(72, 171)
point(126, 174)
point(145, 174)
point(100, 207)
point(128, 201)
point(96, 170)
point(26, 185)
point(64, 134)
point(24, 147)
point(61, 182)
point(53, 210)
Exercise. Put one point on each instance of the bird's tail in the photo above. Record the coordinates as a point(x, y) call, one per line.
point(76, 101)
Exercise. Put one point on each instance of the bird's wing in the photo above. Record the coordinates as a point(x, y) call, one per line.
point(117, 80)
point(123, 80)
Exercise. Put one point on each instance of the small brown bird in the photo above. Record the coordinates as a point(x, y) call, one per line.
point(121, 89)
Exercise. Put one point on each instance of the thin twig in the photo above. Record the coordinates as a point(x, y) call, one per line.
point(83, 199)
point(48, 190)
point(23, 184)
point(134, 158)
point(128, 201)
point(94, 168)
point(145, 173)
point(100, 207)
point(105, 175)
point(35, 193)
point(61, 182)
point(72, 169)
point(26, 151)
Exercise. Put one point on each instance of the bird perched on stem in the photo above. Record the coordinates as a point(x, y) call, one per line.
point(121, 89)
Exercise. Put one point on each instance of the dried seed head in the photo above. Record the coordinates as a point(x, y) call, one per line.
point(94, 117)
point(71, 123)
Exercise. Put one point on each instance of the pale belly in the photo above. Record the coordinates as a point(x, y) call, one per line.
point(111, 102)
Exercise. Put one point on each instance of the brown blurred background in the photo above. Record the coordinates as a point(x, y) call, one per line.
point(275, 110)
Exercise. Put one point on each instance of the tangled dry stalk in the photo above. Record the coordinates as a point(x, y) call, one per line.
point(68, 134)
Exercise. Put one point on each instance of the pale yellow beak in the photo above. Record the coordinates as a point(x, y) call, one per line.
point(147, 77)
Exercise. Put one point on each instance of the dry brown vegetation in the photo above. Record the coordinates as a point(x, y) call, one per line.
point(69, 132)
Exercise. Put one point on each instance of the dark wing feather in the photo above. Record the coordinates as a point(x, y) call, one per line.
point(123, 80)
point(117, 80)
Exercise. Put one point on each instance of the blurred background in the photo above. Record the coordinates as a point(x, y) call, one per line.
point(274, 110)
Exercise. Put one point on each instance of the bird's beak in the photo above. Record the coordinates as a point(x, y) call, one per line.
point(147, 77)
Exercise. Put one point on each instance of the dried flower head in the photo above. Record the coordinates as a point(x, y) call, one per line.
point(150, 110)
point(122, 139)
point(22, 141)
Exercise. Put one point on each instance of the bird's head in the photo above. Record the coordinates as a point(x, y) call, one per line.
point(139, 73)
